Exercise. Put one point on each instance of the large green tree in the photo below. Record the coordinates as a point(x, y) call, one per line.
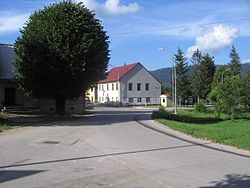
point(62, 50)
point(196, 81)
point(202, 76)
point(182, 82)
point(235, 64)
point(208, 69)
point(228, 95)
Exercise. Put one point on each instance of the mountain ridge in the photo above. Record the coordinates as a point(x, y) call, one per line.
point(164, 75)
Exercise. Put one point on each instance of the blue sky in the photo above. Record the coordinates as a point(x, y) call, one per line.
point(138, 28)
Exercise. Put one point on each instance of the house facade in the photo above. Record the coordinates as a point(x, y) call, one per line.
point(129, 84)
point(10, 95)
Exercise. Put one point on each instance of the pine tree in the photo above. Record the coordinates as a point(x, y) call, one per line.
point(182, 82)
point(195, 80)
point(235, 65)
point(208, 70)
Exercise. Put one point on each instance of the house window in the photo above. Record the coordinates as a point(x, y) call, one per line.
point(107, 87)
point(139, 99)
point(99, 86)
point(102, 88)
point(138, 86)
point(130, 86)
point(147, 86)
point(130, 99)
point(163, 100)
point(112, 98)
point(116, 98)
point(91, 89)
point(147, 99)
point(112, 87)
point(116, 86)
point(100, 99)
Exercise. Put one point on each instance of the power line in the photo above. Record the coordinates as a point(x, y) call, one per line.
point(180, 27)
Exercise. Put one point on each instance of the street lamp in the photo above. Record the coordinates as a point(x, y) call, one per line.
point(173, 81)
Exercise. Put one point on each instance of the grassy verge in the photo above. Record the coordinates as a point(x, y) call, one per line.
point(201, 125)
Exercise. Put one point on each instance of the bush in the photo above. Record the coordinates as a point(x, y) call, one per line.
point(188, 118)
point(200, 107)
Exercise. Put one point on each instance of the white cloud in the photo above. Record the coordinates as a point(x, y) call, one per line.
point(246, 61)
point(216, 40)
point(12, 22)
point(110, 7)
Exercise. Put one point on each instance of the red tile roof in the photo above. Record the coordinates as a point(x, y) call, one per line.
point(116, 73)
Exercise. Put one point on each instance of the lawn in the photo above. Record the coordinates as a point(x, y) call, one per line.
point(205, 125)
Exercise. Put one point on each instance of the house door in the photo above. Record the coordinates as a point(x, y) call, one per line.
point(10, 96)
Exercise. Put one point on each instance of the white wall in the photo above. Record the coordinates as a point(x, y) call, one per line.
point(107, 94)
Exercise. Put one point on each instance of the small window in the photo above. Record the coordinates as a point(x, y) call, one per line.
point(116, 98)
point(163, 100)
point(147, 86)
point(139, 99)
point(116, 86)
point(102, 88)
point(147, 99)
point(91, 89)
point(107, 87)
point(130, 86)
point(138, 86)
point(112, 87)
point(130, 99)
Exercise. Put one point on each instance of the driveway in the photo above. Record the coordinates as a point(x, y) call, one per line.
point(115, 147)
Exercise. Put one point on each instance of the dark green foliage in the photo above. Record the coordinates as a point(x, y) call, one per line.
point(235, 64)
point(182, 83)
point(228, 95)
point(200, 107)
point(62, 50)
point(202, 75)
point(196, 81)
point(246, 91)
point(163, 114)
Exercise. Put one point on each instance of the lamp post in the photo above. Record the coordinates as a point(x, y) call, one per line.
point(174, 89)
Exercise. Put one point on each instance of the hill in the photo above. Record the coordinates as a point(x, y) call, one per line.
point(165, 74)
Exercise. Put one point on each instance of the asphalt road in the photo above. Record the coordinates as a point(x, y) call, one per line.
point(115, 147)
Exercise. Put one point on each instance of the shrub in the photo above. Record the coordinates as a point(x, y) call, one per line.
point(200, 107)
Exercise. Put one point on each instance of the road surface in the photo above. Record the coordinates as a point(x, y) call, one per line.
point(114, 147)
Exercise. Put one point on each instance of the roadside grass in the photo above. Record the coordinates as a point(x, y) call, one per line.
point(206, 126)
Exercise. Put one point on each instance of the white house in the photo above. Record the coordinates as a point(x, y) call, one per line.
point(129, 84)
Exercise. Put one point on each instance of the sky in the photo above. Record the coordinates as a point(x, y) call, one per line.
point(150, 32)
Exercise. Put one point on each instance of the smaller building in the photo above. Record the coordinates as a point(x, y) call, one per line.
point(166, 100)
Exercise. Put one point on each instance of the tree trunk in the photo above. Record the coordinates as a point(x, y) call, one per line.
point(60, 105)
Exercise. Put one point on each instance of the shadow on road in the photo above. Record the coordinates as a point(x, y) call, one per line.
point(8, 175)
point(232, 181)
point(102, 155)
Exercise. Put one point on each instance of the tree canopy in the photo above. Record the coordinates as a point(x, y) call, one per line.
point(62, 50)
point(181, 63)
point(235, 64)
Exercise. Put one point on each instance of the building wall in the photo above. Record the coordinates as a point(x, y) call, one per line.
point(108, 94)
point(92, 94)
point(140, 75)
point(20, 98)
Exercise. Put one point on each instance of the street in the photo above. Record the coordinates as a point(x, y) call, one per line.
point(114, 147)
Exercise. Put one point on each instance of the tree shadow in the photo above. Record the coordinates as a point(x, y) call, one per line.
point(232, 181)
point(8, 175)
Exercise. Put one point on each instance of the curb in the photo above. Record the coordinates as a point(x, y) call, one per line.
point(155, 126)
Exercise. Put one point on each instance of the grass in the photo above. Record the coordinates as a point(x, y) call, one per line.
point(205, 125)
